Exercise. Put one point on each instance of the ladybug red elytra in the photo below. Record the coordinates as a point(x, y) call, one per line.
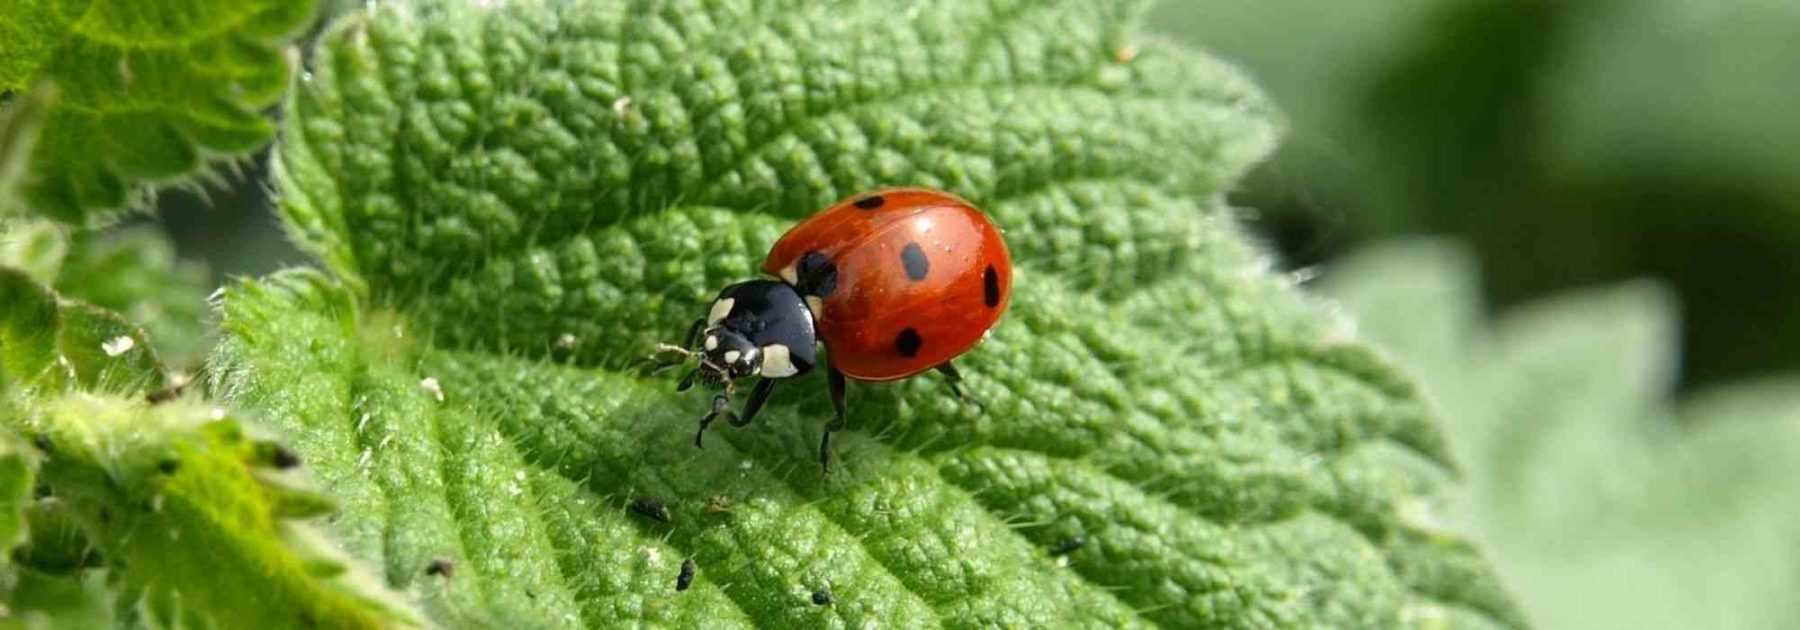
point(892, 283)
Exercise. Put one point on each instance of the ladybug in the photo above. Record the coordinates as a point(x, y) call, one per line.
point(892, 283)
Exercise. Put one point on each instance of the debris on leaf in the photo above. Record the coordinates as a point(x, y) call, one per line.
point(118, 345)
point(431, 386)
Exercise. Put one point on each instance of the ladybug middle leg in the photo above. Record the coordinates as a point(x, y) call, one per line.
point(954, 379)
point(836, 379)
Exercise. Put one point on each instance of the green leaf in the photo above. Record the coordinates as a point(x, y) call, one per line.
point(131, 271)
point(1606, 505)
point(150, 92)
point(48, 344)
point(516, 203)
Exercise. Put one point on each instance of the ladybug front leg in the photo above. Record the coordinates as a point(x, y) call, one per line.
point(836, 379)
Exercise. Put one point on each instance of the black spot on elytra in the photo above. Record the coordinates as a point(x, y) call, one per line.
point(685, 578)
point(908, 343)
point(815, 274)
point(917, 265)
point(870, 202)
point(990, 286)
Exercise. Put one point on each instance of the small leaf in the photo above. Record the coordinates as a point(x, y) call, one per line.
point(108, 464)
point(50, 343)
point(149, 92)
point(131, 271)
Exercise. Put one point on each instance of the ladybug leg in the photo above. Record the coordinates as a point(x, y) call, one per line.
point(836, 379)
point(954, 379)
point(720, 407)
point(758, 396)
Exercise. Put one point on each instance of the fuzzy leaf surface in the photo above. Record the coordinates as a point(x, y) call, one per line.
point(515, 203)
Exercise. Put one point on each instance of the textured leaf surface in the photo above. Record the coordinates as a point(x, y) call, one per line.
point(149, 91)
point(1605, 504)
point(519, 202)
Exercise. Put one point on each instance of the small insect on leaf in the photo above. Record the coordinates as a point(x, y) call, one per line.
point(822, 597)
point(272, 454)
point(441, 567)
point(650, 507)
point(686, 577)
point(1068, 545)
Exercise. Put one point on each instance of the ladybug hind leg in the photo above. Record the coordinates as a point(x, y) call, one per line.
point(954, 380)
point(838, 385)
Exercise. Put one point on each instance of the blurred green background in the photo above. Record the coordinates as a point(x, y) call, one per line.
point(1569, 143)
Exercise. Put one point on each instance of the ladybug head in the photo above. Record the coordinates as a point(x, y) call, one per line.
point(728, 355)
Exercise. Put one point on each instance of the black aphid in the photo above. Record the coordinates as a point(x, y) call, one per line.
point(686, 577)
point(822, 597)
point(1068, 545)
point(649, 507)
point(441, 566)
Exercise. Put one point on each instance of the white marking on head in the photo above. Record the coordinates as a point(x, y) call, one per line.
point(816, 305)
point(776, 362)
point(731, 356)
point(712, 342)
point(791, 273)
point(720, 309)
